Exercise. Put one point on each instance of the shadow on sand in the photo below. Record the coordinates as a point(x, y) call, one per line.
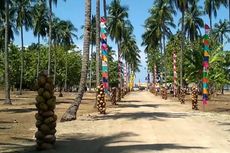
point(93, 144)
point(160, 116)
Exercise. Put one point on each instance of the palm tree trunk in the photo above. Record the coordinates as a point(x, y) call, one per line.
point(229, 10)
point(50, 32)
point(55, 64)
point(210, 17)
point(38, 62)
point(97, 47)
point(90, 68)
point(98, 43)
point(119, 71)
point(22, 62)
point(182, 50)
point(66, 71)
point(104, 7)
point(7, 83)
point(71, 112)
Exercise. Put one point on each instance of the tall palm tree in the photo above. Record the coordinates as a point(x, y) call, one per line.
point(24, 20)
point(40, 25)
point(50, 33)
point(193, 21)
point(182, 5)
point(63, 34)
point(211, 7)
point(7, 84)
point(117, 21)
point(70, 113)
point(97, 43)
point(67, 32)
point(221, 31)
point(93, 43)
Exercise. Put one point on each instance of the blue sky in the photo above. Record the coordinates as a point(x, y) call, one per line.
point(73, 10)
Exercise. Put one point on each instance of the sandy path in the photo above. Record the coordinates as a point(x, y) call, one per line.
point(143, 123)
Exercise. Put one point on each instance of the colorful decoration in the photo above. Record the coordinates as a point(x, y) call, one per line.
point(101, 99)
point(113, 96)
point(206, 65)
point(131, 82)
point(194, 98)
point(104, 57)
point(155, 79)
point(174, 75)
point(182, 95)
point(45, 117)
point(164, 93)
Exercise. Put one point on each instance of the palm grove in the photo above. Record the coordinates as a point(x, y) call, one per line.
point(70, 68)
point(187, 42)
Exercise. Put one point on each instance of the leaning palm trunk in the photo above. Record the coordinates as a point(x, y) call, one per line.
point(22, 62)
point(71, 112)
point(7, 83)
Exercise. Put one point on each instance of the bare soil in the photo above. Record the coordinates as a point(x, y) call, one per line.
point(140, 123)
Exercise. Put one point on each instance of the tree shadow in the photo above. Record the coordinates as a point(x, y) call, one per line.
point(141, 115)
point(138, 106)
point(19, 110)
point(82, 143)
point(133, 101)
point(224, 123)
point(222, 109)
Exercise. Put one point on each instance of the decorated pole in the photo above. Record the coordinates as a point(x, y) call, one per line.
point(205, 66)
point(174, 75)
point(131, 81)
point(104, 49)
point(119, 76)
point(155, 79)
point(103, 87)
point(125, 79)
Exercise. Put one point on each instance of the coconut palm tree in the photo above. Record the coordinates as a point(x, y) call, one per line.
point(24, 20)
point(162, 16)
point(67, 33)
point(221, 31)
point(40, 25)
point(130, 51)
point(7, 84)
point(182, 5)
point(193, 21)
point(117, 21)
point(93, 43)
point(211, 7)
point(70, 113)
point(50, 32)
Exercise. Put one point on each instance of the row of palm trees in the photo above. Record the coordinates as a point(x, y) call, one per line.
point(158, 26)
point(38, 16)
point(121, 31)
point(20, 15)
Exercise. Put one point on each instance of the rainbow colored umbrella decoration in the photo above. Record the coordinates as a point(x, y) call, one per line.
point(206, 65)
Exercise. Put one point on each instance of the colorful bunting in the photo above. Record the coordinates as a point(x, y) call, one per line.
point(104, 50)
point(206, 65)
